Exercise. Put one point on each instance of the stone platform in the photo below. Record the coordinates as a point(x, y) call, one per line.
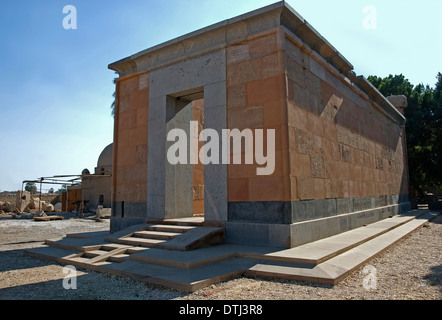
point(187, 255)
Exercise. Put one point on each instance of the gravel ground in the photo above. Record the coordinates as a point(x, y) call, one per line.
point(410, 270)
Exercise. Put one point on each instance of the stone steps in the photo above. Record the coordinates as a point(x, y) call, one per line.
point(170, 228)
point(309, 254)
point(324, 261)
point(169, 236)
point(321, 250)
point(119, 257)
point(96, 250)
point(160, 235)
point(341, 265)
point(327, 261)
point(137, 241)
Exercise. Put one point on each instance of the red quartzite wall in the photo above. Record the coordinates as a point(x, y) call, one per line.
point(340, 157)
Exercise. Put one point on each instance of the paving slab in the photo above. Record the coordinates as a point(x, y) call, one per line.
point(113, 246)
point(170, 228)
point(321, 250)
point(143, 242)
point(186, 280)
point(119, 257)
point(190, 221)
point(337, 268)
point(86, 235)
point(76, 244)
point(164, 235)
point(196, 238)
point(50, 253)
point(315, 274)
point(186, 259)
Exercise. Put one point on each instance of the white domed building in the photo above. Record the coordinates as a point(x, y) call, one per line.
point(96, 187)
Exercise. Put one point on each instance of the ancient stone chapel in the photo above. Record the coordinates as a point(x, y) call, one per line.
point(339, 151)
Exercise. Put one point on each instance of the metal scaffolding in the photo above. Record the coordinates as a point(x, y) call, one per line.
point(54, 180)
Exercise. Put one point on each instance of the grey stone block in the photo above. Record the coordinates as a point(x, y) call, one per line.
point(344, 205)
point(216, 118)
point(313, 209)
point(334, 226)
point(369, 217)
point(381, 201)
point(353, 221)
point(360, 204)
point(389, 199)
point(215, 192)
point(302, 210)
point(215, 175)
point(215, 95)
point(156, 165)
point(135, 210)
point(259, 234)
point(329, 207)
point(344, 223)
point(117, 224)
point(300, 234)
point(274, 212)
point(279, 235)
point(185, 75)
point(122, 209)
point(308, 231)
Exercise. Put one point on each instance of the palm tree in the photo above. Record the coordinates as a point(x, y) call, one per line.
point(113, 95)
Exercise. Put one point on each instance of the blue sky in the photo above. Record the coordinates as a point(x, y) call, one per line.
point(56, 89)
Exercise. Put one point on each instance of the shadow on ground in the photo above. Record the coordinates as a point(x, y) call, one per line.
point(435, 277)
point(50, 284)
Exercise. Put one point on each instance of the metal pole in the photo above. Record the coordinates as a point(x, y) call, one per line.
point(21, 195)
point(39, 202)
point(81, 204)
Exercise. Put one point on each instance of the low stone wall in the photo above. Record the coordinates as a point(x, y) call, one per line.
point(7, 197)
point(52, 198)
point(47, 197)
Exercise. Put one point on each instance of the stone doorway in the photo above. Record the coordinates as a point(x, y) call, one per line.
point(184, 196)
point(172, 91)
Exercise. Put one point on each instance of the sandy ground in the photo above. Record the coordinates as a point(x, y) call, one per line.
point(411, 270)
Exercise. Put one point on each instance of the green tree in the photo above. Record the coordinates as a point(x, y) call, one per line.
point(62, 189)
point(113, 95)
point(423, 127)
point(31, 187)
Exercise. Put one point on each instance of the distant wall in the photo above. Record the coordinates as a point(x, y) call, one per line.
point(10, 197)
point(7, 197)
